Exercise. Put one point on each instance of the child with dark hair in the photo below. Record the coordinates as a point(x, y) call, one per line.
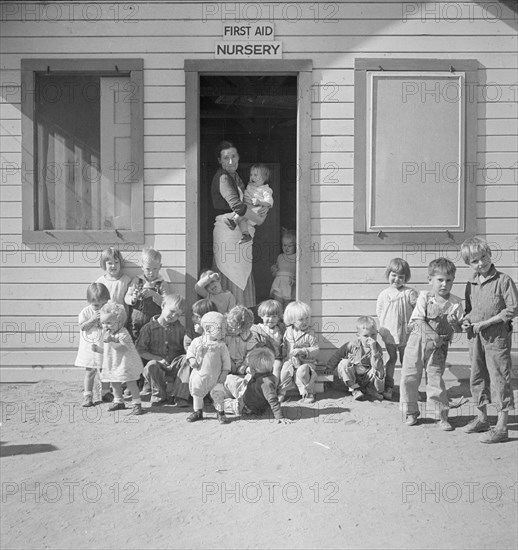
point(436, 317)
point(269, 333)
point(394, 308)
point(90, 333)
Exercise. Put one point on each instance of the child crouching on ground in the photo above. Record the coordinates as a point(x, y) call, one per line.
point(210, 361)
point(436, 317)
point(299, 350)
point(491, 304)
point(258, 390)
point(359, 363)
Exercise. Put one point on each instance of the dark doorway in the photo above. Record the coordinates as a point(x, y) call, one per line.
point(259, 115)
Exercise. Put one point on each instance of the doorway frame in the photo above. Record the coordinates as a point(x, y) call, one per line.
point(302, 69)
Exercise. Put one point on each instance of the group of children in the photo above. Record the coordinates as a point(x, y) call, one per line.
point(228, 357)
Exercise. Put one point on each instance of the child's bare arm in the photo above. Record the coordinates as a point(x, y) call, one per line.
point(90, 323)
point(204, 280)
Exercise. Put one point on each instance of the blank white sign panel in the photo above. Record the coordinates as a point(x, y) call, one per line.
point(415, 144)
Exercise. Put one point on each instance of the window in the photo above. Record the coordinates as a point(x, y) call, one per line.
point(415, 150)
point(82, 160)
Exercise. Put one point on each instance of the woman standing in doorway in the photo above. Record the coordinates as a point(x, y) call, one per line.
point(233, 260)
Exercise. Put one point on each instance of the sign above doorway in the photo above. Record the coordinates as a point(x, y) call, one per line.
point(251, 41)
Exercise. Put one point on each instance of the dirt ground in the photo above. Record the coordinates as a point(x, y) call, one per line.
point(344, 474)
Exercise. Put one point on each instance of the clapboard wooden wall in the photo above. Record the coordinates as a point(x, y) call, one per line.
point(43, 287)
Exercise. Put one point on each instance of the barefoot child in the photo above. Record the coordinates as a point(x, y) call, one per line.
point(160, 344)
point(258, 194)
point(299, 352)
point(359, 363)
point(491, 304)
point(210, 361)
point(90, 333)
point(284, 287)
point(436, 317)
point(209, 286)
point(121, 361)
point(393, 308)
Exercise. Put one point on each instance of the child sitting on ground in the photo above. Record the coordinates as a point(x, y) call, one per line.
point(160, 344)
point(299, 351)
point(491, 304)
point(437, 315)
point(258, 391)
point(209, 286)
point(359, 363)
point(210, 362)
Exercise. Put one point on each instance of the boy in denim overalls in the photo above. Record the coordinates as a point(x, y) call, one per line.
point(491, 304)
point(437, 315)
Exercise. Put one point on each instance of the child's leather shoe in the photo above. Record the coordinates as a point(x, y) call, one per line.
point(117, 407)
point(195, 416)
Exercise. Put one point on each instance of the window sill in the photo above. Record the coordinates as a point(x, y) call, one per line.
point(83, 237)
point(398, 238)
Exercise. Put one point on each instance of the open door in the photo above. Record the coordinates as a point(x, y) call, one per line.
point(266, 113)
point(259, 115)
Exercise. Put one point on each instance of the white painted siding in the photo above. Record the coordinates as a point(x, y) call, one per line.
point(43, 287)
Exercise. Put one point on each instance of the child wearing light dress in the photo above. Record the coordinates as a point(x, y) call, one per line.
point(394, 308)
point(299, 351)
point(113, 279)
point(121, 361)
point(90, 333)
point(284, 270)
point(258, 194)
point(209, 286)
point(269, 333)
point(210, 362)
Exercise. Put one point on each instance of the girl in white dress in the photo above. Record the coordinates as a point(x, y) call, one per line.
point(121, 361)
point(283, 286)
point(113, 279)
point(90, 333)
point(394, 308)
